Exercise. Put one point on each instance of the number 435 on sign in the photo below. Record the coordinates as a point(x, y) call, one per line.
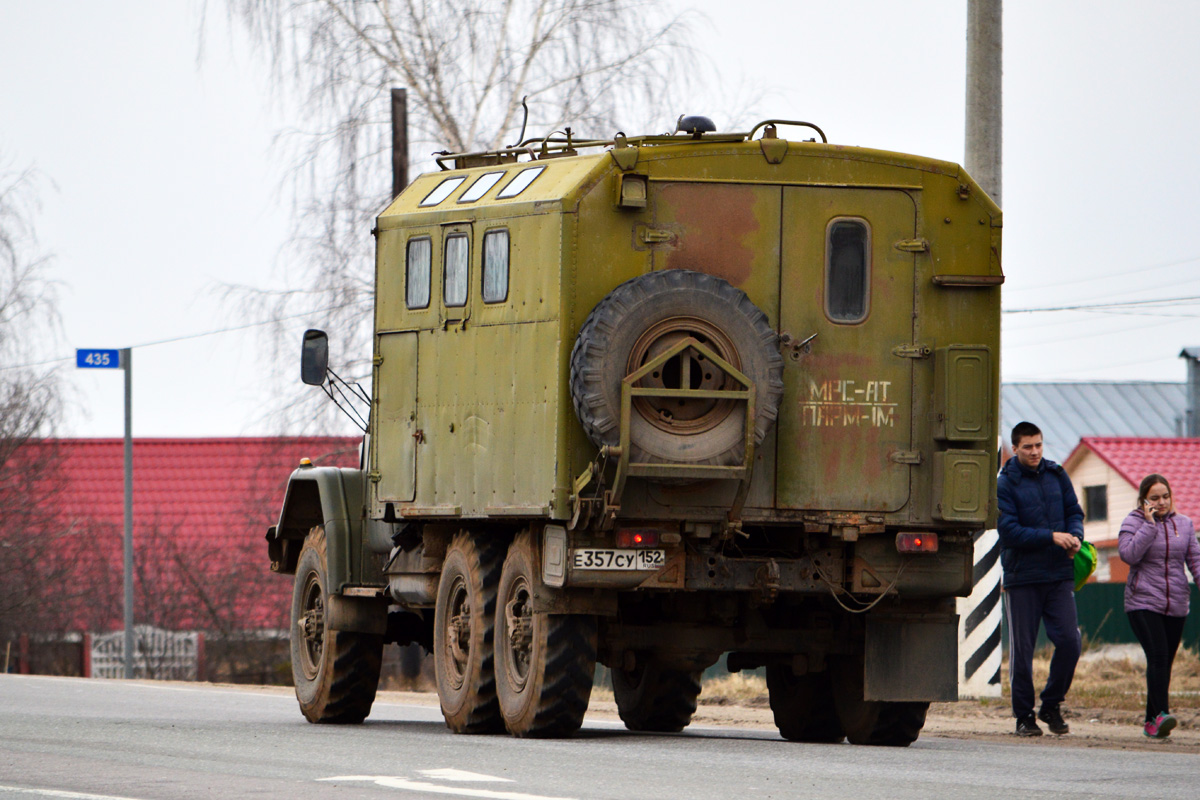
point(98, 359)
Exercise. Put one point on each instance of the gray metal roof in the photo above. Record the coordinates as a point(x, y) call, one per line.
point(1068, 411)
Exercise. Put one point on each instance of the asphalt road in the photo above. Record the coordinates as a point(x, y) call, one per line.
point(92, 740)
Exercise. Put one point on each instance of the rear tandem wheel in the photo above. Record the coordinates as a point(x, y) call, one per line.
point(874, 722)
point(545, 663)
point(651, 697)
point(803, 705)
point(464, 626)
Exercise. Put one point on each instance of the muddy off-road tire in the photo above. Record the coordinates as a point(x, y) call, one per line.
point(873, 722)
point(652, 698)
point(464, 626)
point(803, 705)
point(641, 319)
point(545, 663)
point(336, 673)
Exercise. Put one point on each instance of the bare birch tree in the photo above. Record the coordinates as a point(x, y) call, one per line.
point(30, 402)
point(29, 397)
point(593, 65)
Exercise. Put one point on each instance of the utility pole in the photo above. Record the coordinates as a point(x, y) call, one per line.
point(985, 47)
point(399, 140)
point(411, 656)
point(980, 644)
point(1191, 414)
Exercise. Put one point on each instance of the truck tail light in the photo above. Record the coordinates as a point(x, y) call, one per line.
point(917, 542)
point(637, 537)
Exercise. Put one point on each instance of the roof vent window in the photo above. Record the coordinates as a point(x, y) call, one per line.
point(442, 191)
point(520, 183)
point(480, 187)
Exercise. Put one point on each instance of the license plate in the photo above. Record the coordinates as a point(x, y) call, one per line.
point(602, 558)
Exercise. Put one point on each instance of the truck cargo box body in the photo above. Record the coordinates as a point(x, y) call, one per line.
point(888, 417)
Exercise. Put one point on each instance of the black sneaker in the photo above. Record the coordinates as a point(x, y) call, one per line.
point(1027, 726)
point(1052, 716)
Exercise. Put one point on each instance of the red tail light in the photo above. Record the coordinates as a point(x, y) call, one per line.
point(916, 542)
point(637, 537)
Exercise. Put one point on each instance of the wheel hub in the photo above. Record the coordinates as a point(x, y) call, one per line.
point(518, 617)
point(458, 634)
point(312, 626)
point(687, 370)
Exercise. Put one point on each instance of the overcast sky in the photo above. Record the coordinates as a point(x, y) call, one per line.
point(159, 182)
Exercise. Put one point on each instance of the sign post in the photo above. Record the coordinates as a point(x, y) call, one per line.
point(121, 359)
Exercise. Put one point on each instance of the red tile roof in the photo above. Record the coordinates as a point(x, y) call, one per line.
point(200, 509)
point(1134, 457)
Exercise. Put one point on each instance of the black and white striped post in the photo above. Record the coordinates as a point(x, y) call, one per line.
point(979, 623)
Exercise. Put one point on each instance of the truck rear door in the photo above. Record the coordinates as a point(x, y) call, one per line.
point(845, 428)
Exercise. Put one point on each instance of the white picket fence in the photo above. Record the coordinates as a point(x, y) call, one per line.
point(158, 654)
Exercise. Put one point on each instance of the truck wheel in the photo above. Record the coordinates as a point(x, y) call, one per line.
point(336, 673)
point(651, 698)
point(803, 705)
point(545, 663)
point(645, 316)
point(874, 722)
point(463, 631)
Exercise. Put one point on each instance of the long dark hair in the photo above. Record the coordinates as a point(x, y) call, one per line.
point(1149, 481)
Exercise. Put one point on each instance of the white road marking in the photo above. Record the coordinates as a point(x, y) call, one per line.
point(61, 793)
point(433, 788)
point(461, 775)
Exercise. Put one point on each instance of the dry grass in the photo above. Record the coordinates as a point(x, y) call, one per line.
point(1120, 683)
point(735, 689)
point(1116, 683)
point(1109, 683)
point(602, 694)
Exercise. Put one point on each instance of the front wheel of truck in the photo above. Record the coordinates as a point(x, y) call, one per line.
point(545, 663)
point(336, 673)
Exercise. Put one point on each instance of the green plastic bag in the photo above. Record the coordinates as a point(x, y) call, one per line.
point(1085, 564)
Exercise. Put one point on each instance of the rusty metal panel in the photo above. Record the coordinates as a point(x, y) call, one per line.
point(848, 404)
point(395, 425)
point(878, 567)
point(731, 231)
point(724, 229)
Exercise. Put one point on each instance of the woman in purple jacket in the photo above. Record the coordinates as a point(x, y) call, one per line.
point(1156, 542)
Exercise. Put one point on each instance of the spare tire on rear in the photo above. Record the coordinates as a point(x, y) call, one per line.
point(641, 319)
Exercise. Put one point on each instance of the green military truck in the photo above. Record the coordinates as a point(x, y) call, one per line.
point(649, 401)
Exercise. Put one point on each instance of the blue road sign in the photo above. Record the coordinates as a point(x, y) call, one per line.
point(98, 359)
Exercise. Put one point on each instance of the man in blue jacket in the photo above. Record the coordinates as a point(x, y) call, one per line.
point(1041, 529)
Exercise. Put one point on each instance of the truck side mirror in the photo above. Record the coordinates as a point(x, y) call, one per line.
point(314, 358)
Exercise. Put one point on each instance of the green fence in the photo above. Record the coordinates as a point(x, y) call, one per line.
point(1102, 615)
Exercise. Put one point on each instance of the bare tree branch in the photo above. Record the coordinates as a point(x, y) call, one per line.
point(34, 554)
point(595, 65)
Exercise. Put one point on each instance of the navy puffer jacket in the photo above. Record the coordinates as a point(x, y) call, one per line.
point(1033, 505)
